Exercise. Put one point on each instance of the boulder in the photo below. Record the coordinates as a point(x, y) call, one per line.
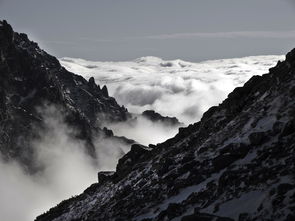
point(204, 217)
point(238, 149)
point(108, 132)
point(173, 210)
point(284, 188)
point(257, 138)
point(105, 176)
point(136, 154)
point(289, 128)
point(223, 161)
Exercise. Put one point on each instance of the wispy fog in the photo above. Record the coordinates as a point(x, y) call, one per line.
point(67, 170)
point(144, 131)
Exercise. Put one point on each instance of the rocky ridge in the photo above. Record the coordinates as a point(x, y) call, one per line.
point(29, 79)
point(158, 118)
point(236, 163)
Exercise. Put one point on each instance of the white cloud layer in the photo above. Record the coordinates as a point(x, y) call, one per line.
point(174, 88)
point(144, 131)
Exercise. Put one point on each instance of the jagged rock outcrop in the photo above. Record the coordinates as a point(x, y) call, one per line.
point(236, 163)
point(30, 78)
point(156, 117)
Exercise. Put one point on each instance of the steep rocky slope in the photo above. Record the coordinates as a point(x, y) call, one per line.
point(31, 78)
point(237, 163)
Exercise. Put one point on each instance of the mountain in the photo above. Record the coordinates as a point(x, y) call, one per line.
point(156, 117)
point(236, 163)
point(31, 79)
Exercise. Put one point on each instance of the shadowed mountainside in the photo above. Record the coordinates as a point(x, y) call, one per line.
point(31, 79)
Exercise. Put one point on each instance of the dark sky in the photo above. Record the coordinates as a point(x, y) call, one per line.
point(193, 30)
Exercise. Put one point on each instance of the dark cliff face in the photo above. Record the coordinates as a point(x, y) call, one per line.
point(30, 78)
point(156, 117)
point(237, 163)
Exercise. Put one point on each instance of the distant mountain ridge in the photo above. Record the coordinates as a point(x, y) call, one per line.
point(156, 117)
point(236, 163)
point(30, 78)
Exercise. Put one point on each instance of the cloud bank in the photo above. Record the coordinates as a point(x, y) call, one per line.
point(172, 88)
point(144, 131)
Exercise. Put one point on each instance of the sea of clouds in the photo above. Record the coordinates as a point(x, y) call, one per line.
point(173, 88)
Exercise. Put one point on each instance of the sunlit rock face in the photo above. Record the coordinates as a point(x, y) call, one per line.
point(236, 163)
